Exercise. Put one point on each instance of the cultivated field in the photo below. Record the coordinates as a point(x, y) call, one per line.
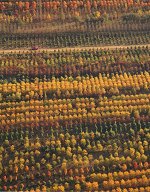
point(75, 96)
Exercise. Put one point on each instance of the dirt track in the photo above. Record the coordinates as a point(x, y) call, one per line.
point(73, 48)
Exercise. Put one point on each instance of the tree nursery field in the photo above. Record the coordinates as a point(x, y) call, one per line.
point(75, 95)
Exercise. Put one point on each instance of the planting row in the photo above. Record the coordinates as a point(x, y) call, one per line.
point(29, 11)
point(62, 111)
point(75, 63)
point(74, 39)
point(80, 86)
point(89, 159)
point(71, 4)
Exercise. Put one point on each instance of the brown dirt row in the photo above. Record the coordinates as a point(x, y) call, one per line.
point(73, 48)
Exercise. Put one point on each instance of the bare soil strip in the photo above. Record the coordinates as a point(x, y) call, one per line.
point(71, 48)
